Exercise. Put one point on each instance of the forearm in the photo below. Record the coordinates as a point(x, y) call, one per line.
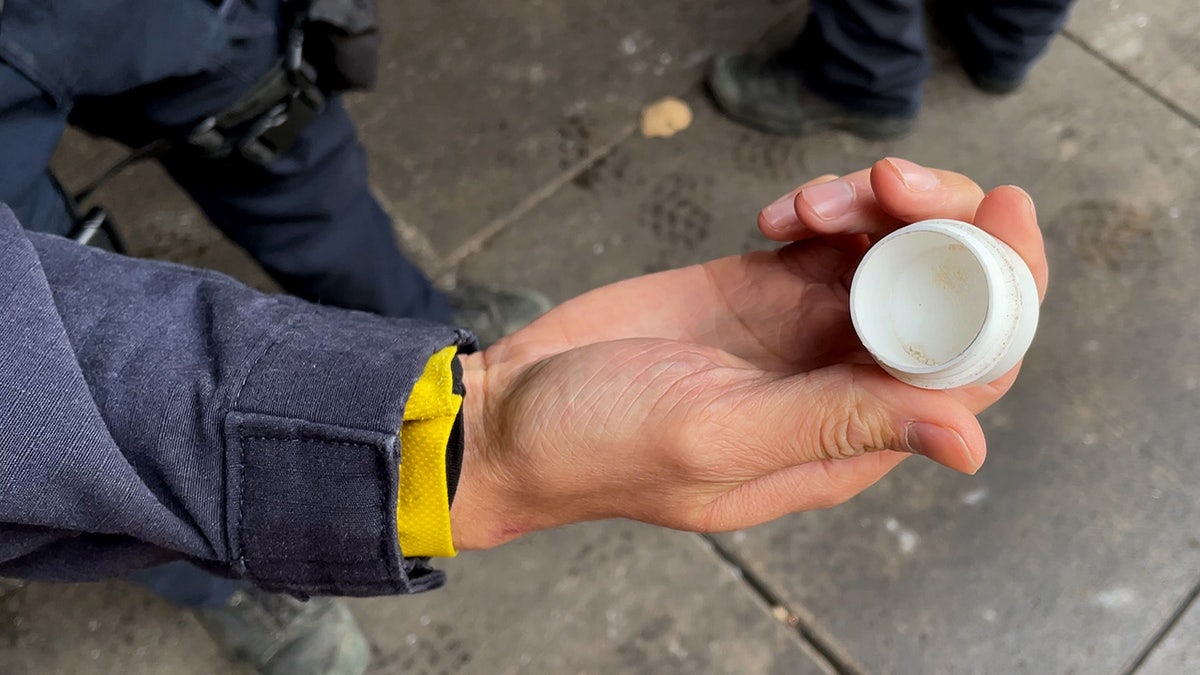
point(155, 412)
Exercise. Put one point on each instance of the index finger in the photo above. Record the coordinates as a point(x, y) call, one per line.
point(1006, 213)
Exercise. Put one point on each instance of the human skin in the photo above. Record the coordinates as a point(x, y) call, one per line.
point(723, 395)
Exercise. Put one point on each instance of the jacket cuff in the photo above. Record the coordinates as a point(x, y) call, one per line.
point(312, 454)
point(423, 504)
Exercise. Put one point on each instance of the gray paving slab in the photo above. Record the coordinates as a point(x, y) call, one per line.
point(1078, 539)
point(1180, 651)
point(481, 104)
point(102, 629)
point(613, 597)
point(1157, 43)
point(599, 598)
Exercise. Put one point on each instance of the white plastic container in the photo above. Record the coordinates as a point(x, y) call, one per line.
point(942, 304)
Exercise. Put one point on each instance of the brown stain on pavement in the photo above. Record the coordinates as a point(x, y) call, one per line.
point(1117, 237)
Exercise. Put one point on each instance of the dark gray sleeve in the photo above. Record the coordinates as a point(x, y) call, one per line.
point(151, 412)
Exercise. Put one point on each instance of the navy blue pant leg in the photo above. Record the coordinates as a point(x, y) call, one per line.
point(311, 221)
point(866, 54)
point(871, 54)
point(309, 218)
point(187, 585)
point(1010, 35)
point(31, 125)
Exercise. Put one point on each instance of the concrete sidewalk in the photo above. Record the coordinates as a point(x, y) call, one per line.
point(504, 142)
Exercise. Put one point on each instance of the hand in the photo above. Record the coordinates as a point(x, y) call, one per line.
point(723, 395)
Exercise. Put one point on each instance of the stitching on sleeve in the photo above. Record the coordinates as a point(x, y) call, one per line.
point(241, 499)
point(385, 552)
point(306, 439)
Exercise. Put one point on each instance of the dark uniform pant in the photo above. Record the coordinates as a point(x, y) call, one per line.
point(132, 70)
point(308, 218)
point(872, 54)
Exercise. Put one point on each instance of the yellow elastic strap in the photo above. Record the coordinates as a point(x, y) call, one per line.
point(423, 506)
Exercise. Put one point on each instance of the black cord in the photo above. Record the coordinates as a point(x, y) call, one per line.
point(147, 151)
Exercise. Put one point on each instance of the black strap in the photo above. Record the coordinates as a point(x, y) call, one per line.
point(146, 151)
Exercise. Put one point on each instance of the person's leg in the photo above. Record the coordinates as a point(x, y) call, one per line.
point(273, 633)
point(187, 585)
point(31, 125)
point(868, 55)
point(1003, 38)
point(311, 221)
point(308, 218)
point(858, 65)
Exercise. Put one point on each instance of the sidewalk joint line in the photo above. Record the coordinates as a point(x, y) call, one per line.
point(476, 241)
point(839, 663)
point(413, 240)
point(1131, 78)
point(1163, 631)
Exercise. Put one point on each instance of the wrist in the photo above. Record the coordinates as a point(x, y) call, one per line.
point(480, 512)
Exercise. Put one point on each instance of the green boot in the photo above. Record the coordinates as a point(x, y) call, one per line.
point(276, 634)
point(766, 92)
point(492, 312)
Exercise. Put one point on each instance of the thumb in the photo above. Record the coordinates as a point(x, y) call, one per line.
point(846, 411)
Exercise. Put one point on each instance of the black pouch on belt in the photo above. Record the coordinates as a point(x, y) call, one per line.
point(341, 42)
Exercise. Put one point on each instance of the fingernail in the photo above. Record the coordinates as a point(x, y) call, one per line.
point(780, 211)
point(829, 200)
point(916, 177)
point(1028, 200)
point(935, 441)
